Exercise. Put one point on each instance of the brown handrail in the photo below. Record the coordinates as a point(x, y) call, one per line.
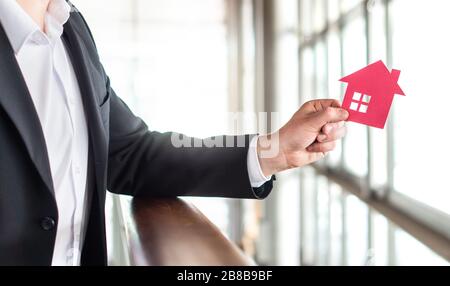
point(172, 232)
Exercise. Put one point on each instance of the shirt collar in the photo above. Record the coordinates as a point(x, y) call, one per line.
point(58, 14)
point(19, 26)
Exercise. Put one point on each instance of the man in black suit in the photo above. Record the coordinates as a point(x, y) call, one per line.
point(66, 138)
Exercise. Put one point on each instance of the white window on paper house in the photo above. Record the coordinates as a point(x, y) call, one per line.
point(360, 102)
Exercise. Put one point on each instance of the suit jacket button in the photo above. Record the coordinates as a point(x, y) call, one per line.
point(48, 223)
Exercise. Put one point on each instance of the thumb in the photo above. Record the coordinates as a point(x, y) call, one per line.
point(328, 115)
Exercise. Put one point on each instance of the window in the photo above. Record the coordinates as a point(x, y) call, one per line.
point(307, 76)
point(309, 223)
point(333, 10)
point(287, 53)
point(418, 174)
point(356, 231)
point(347, 5)
point(336, 255)
point(170, 61)
point(319, 12)
point(323, 221)
point(379, 252)
point(335, 88)
point(360, 102)
point(388, 166)
point(249, 58)
point(395, 166)
point(354, 43)
point(339, 229)
point(306, 21)
point(321, 79)
point(378, 138)
point(420, 256)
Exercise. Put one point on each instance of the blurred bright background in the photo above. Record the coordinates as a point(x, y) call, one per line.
point(382, 198)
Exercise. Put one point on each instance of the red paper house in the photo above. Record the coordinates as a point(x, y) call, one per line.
point(370, 93)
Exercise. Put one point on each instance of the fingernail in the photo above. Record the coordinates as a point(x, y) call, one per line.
point(322, 137)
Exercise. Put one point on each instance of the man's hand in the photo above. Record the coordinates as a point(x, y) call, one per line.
point(306, 138)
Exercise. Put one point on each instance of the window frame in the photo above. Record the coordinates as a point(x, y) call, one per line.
point(360, 100)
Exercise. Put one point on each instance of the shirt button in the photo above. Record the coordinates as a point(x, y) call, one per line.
point(70, 253)
point(77, 170)
point(48, 223)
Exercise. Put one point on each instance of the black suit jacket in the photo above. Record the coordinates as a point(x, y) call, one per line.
point(124, 158)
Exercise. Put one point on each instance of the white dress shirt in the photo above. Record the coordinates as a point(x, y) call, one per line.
point(54, 89)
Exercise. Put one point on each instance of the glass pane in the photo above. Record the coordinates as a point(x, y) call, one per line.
point(379, 158)
point(356, 225)
point(286, 78)
point(333, 10)
point(307, 81)
point(319, 15)
point(410, 252)
point(168, 60)
point(309, 220)
point(380, 237)
point(377, 24)
point(421, 172)
point(321, 79)
point(347, 5)
point(287, 15)
point(287, 58)
point(323, 220)
point(355, 48)
point(334, 86)
point(288, 218)
point(306, 17)
point(321, 70)
point(199, 69)
point(336, 225)
point(334, 65)
point(249, 54)
point(355, 52)
point(377, 51)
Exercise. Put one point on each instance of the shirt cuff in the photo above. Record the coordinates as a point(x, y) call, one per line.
point(256, 175)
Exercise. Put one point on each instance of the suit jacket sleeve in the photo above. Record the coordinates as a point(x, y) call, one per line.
point(146, 163)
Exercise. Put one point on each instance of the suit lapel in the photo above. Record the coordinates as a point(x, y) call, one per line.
point(98, 138)
point(16, 101)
